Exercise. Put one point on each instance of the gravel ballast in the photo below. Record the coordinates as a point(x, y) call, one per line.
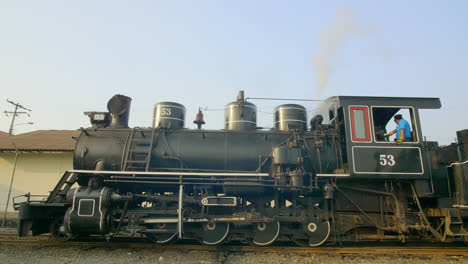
point(70, 255)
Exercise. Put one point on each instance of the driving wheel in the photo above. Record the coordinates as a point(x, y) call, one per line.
point(312, 234)
point(163, 232)
point(214, 233)
point(266, 233)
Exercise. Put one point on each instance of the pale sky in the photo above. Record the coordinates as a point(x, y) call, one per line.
point(61, 58)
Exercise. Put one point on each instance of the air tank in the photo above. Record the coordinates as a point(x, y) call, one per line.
point(290, 117)
point(169, 115)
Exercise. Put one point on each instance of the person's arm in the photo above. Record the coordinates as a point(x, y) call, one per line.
point(389, 134)
point(402, 136)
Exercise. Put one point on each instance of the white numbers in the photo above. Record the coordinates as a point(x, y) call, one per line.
point(383, 160)
point(166, 111)
point(387, 160)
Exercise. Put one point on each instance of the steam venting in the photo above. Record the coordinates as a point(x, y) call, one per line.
point(331, 39)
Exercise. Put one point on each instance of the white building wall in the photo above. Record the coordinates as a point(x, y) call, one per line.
point(36, 173)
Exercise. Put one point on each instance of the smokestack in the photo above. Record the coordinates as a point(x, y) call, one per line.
point(119, 107)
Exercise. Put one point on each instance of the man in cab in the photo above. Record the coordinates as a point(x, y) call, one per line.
point(402, 131)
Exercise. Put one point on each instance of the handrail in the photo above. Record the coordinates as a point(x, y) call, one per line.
point(172, 173)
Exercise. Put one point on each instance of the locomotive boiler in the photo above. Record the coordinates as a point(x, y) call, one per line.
point(332, 178)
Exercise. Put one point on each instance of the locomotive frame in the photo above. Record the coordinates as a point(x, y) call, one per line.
point(332, 183)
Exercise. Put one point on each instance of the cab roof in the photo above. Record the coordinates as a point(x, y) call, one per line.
point(417, 102)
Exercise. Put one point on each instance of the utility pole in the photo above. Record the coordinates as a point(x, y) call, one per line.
point(15, 114)
point(10, 132)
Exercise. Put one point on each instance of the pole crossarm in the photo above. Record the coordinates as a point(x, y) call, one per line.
point(16, 113)
point(18, 105)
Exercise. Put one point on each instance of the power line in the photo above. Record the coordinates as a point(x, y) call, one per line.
point(282, 99)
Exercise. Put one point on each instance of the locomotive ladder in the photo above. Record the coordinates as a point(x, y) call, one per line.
point(138, 151)
point(138, 156)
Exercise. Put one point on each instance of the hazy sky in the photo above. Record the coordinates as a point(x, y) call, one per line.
point(61, 58)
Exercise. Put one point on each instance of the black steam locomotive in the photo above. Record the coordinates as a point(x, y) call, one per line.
point(335, 178)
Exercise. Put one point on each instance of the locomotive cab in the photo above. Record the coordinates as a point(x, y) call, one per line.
point(365, 121)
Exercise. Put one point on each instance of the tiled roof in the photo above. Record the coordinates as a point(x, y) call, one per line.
point(3, 134)
point(40, 140)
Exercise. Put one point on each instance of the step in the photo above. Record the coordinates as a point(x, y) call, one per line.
point(142, 152)
point(136, 161)
point(135, 168)
point(141, 140)
point(141, 144)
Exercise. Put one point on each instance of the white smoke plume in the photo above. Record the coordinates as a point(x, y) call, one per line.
point(331, 39)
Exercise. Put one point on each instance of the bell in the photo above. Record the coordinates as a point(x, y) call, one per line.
point(199, 119)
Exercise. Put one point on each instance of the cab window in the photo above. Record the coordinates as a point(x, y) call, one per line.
point(360, 127)
point(383, 119)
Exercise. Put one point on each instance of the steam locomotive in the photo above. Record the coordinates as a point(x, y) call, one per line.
point(333, 178)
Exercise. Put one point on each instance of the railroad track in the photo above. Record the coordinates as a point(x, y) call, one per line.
point(44, 241)
point(14, 237)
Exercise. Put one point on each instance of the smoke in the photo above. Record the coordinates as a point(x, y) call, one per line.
point(331, 39)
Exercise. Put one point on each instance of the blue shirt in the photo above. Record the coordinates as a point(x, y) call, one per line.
point(405, 125)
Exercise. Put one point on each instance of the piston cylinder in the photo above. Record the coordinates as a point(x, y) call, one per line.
point(169, 115)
